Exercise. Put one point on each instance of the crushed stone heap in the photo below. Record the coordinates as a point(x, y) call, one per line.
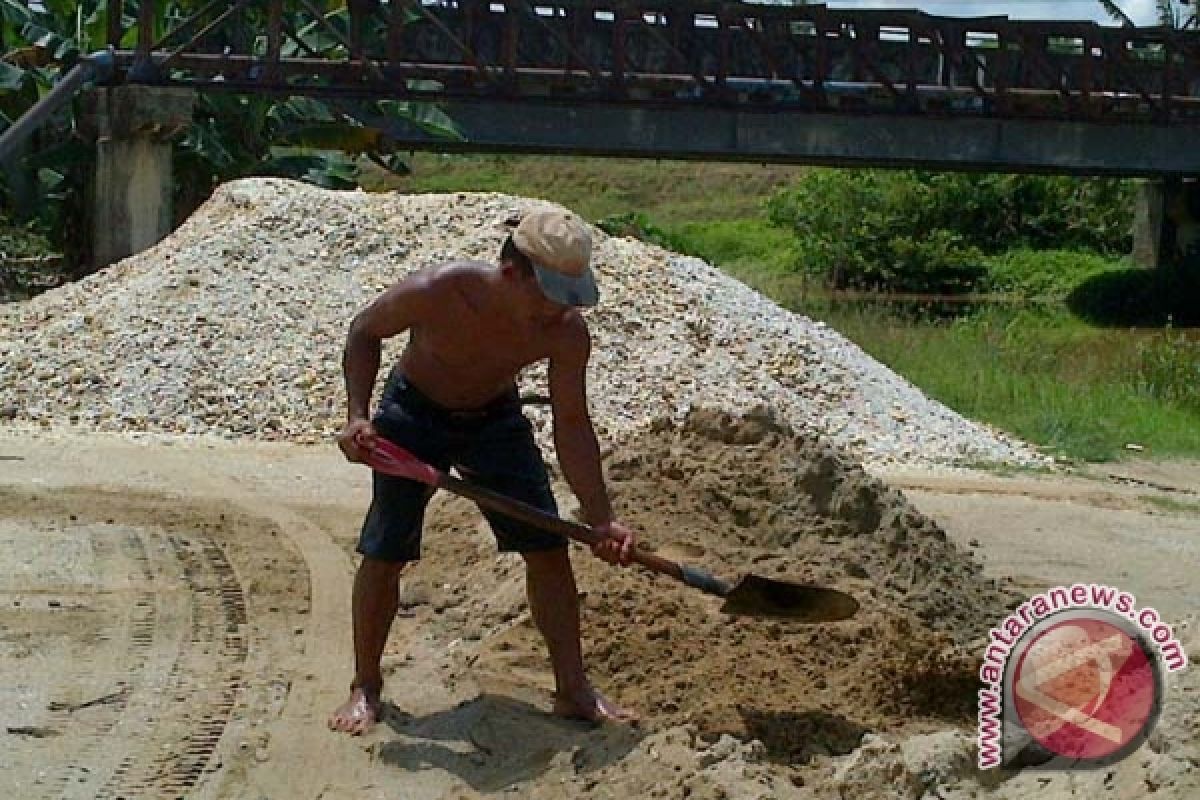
point(233, 326)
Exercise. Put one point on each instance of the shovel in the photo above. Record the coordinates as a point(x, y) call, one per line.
point(753, 596)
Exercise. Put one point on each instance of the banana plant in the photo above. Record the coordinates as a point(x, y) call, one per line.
point(318, 141)
point(44, 184)
point(232, 136)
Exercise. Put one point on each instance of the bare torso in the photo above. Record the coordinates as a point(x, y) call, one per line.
point(471, 351)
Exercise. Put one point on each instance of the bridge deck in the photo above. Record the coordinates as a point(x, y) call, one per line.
point(707, 79)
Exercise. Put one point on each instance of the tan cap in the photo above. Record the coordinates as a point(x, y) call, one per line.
point(559, 246)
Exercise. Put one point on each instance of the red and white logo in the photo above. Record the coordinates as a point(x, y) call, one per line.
point(1073, 678)
point(1084, 688)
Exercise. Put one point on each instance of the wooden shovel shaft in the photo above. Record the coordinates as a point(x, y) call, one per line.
point(753, 596)
point(394, 460)
point(550, 522)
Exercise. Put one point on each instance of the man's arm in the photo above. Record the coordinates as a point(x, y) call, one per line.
point(574, 438)
point(391, 313)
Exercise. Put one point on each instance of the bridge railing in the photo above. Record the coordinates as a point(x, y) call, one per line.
point(672, 53)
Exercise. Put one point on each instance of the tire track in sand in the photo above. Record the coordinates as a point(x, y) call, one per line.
point(153, 634)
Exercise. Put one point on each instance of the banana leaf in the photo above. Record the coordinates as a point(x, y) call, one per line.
point(300, 110)
point(328, 170)
point(14, 13)
point(429, 117)
point(348, 138)
point(11, 78)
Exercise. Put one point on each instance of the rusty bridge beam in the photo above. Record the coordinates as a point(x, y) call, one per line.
point(232, 9)
point(609, 55)
point(143, 65)
point(116, 23)
point(274, 40)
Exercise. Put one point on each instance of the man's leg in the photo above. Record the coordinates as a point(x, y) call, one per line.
point(554, 602)
point(376, 598)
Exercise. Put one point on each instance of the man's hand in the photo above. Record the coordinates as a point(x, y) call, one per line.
point(619, 544)
point(348, 439)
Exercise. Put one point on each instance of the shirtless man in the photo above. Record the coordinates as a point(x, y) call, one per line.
point(452, 400)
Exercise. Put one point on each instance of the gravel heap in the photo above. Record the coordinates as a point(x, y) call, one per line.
point(233, 326)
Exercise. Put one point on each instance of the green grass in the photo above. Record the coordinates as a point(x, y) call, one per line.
point(738, 244)
point(714, 211)
point(1079, 390)
point(1046, 377)
point(671, 193)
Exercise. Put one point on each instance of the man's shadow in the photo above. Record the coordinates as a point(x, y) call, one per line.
point(493, 742)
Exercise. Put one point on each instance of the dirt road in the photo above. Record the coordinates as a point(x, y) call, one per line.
point(174, 622)
point(1135, 525)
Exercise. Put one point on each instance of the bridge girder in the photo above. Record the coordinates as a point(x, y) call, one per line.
point(729, 68)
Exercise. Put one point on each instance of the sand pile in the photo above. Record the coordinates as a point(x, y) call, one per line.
point(148, 574)
point(740, 493)
point(880, 706)
point(233, 326)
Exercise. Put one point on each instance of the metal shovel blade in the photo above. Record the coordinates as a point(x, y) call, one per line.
point(756, 596)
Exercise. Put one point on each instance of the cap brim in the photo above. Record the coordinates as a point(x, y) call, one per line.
point(568, 290)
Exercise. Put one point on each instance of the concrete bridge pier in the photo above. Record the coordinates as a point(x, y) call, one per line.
point(1166, 227)
point(132, 189)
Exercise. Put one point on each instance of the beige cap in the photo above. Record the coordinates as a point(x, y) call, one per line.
point(559, 246)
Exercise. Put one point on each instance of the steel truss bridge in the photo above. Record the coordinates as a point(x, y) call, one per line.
point(711, 80)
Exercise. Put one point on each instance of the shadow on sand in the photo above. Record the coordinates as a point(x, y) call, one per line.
point(794, 737)
point(493, 742)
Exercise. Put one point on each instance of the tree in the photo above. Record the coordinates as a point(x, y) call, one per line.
point(1170, 13)
point(45, 182)
point(233, 135)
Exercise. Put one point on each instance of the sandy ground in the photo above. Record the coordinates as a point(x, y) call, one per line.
point(174, 623)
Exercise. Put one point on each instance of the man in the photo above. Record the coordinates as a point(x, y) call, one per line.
point(452, 400)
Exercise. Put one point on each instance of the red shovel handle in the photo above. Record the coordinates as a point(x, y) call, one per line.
point(391, 459)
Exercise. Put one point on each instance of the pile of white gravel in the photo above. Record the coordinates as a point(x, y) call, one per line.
point(234, 325)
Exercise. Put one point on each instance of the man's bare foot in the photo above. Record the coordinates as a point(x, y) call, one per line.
point(358, 714)
point(591, 705)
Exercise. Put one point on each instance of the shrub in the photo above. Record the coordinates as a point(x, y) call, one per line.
point(857, 228)
point(638, 226)
point(928, 232)
point(28, 262)
point(21, 240)
point(1044, 274)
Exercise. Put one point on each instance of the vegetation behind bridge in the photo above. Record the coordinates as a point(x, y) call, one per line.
point(1054, 336)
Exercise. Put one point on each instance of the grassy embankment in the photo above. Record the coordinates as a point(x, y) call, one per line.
point(1030, 367)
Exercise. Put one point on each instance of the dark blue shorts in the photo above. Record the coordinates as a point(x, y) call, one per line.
point(491, 447)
